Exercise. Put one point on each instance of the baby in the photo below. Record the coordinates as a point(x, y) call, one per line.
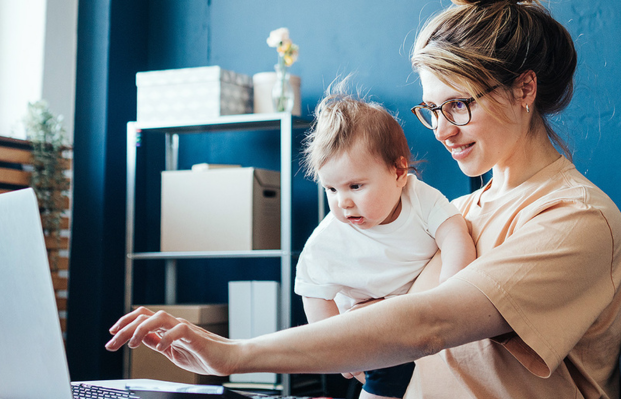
point(384, 224)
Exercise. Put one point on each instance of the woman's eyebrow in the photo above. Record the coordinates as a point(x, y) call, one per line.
point(451, 97)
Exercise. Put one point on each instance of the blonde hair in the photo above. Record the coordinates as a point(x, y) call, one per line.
point(480, 44)
point(342, 120)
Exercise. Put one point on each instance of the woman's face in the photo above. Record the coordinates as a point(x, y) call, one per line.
point(485, 142)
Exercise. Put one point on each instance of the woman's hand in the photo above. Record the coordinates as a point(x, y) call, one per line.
point(183, 343)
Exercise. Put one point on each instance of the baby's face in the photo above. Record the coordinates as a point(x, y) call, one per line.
point(361, 189)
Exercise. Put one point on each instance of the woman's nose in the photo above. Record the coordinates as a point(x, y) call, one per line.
point(445, 129)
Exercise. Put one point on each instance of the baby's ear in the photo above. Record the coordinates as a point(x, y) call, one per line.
point(401, 168)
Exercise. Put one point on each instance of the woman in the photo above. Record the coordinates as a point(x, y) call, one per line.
point(538, 314)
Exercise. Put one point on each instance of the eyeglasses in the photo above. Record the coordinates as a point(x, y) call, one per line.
point(456, 111)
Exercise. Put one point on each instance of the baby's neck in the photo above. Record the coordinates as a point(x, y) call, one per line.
point(396, 211)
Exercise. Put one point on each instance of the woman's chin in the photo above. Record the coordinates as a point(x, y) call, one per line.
point(472, 170)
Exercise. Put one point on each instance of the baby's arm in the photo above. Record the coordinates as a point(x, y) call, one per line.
point(318, 309)
point(456, 245)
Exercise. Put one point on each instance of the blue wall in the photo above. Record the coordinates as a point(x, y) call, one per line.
point(119, 38)
point(592, 124)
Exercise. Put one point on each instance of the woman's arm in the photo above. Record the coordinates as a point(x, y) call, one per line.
point(402, 329)
point(385, 334)
point(317, 309)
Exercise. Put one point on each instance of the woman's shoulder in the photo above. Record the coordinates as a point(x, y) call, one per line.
point(564, 187)
point(569, 185)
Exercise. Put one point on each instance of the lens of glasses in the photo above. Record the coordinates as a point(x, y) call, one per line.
point(427, 117)
point(457, 112)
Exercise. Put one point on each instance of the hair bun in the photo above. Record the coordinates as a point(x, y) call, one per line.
point(487, 2)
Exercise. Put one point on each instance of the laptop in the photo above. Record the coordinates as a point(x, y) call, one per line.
point(32, 354)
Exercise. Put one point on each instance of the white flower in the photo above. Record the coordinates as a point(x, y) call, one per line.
point(277, 37)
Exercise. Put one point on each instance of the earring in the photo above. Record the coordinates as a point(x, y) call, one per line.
point(527, 109)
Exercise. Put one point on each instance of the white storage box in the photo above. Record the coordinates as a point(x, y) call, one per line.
point(254, 308)
point(192, 94)
point(224, 209)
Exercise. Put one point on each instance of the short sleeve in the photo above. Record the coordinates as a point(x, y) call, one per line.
point(306, 285)
point(442, 211)
point(313, 272)
point(550, 280)
point(435, 207)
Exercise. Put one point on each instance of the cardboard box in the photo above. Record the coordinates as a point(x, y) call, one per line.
point(197, 314)
point(192, 94)
point(224, 209)
point(146, 363)
point(254, 309)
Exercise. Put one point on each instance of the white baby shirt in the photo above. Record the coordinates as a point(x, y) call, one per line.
point(379, 262)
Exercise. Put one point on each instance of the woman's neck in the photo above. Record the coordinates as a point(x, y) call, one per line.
point(536, 153)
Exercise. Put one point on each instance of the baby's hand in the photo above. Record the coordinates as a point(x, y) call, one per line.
point(364, 304)
point(357, 375)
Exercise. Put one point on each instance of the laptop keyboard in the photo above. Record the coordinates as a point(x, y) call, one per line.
point(85, 391)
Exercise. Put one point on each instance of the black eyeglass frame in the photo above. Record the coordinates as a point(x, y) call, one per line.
point(466, 101)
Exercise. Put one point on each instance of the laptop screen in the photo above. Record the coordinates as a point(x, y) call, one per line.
point(31, 347)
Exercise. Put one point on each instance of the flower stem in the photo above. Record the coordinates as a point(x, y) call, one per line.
point(283, 73)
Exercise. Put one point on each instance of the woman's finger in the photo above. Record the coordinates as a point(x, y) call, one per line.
point(128, 318)
point(159, 322)
point(126, 332)
point(133, 328)
point(151, 340)
point(181, 331)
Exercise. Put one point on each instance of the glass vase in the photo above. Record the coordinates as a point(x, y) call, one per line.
point(282, 93)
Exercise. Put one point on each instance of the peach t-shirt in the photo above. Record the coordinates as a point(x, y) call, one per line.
point(549, 255)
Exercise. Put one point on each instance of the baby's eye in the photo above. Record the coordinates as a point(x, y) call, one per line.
point(330, 189)
point(355, 186)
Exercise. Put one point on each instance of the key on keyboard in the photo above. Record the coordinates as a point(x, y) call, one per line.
point(85, 391)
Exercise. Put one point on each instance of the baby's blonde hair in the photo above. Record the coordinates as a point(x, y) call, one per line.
point(343, 120)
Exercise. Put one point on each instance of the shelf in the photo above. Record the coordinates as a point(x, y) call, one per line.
point(263, 253)
point(225, 123)
point(282, 122)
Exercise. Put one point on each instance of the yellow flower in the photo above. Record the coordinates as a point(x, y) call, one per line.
point(288, 51)
point(291, 56)
point(284, 47)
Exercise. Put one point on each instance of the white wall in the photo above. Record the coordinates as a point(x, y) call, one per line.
point(38, 40)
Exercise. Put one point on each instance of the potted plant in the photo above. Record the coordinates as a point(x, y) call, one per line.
point(47, 134)
point(282, 93)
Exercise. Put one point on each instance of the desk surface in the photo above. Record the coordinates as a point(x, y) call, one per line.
point(146, 384)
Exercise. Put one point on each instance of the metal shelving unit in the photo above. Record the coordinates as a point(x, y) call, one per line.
point(283, 122)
